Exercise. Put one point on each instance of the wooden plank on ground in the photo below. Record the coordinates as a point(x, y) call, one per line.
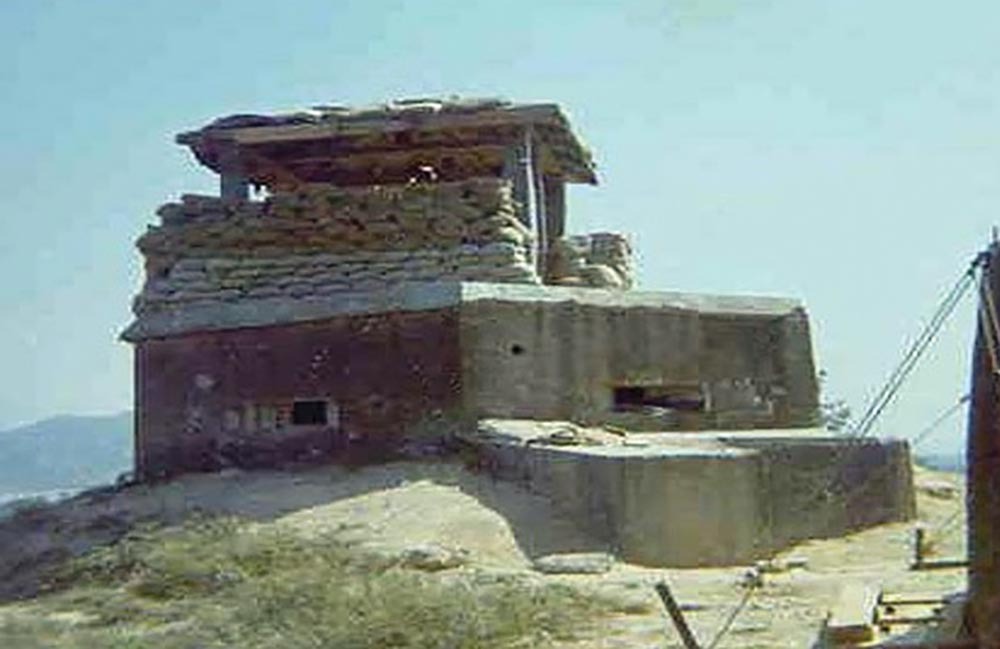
point(851, 621)
point(912, 599)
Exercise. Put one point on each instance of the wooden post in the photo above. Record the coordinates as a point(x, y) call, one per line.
point(555, 207)
point(687, 637)
point(919, 541)
point(983, 472)
point(518, 167)
point(553, 215)
point(541, 218)
point(233, 184)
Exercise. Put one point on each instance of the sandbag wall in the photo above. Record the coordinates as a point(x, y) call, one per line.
point(324, 240)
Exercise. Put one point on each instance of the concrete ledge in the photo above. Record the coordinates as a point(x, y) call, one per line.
point(744, 305)
point(265, 312)
point(422, 296)
point(707, 499)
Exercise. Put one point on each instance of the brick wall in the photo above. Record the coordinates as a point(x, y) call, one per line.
point(225, 398)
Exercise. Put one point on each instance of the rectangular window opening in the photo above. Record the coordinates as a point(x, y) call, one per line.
point(309, 413)
point(671, 397)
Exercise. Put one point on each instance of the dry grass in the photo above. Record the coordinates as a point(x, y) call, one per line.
point(224, 583)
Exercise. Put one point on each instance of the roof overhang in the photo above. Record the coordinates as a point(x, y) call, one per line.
point(332, 140)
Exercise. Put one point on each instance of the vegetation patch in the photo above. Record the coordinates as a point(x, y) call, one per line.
point(223, 582)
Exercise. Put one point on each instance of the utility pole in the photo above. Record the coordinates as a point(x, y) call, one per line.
point(983, 460)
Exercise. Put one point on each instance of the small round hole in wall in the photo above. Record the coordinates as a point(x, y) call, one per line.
point(516, 349)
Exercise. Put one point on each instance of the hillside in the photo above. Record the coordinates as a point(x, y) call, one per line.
point(953, 462)
point(65, 452)
point(410, 554)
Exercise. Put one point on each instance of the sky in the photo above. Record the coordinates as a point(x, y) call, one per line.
point(844, 153)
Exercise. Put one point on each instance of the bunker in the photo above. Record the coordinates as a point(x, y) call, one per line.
point(367, 272)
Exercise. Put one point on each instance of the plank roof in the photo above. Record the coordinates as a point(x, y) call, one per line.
point(328, 135)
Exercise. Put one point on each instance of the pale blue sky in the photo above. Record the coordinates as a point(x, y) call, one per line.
point(846, 153)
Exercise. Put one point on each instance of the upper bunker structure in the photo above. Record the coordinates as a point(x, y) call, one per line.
point(411, 263)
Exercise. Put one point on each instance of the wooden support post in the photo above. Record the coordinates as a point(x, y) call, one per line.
point(555, 207)
point(983, 459)
point(920, 561)
point(553, 215)
point(687, 637)
point(541, 219)
point(919, 541)
point(233, 184)
point(519, 168)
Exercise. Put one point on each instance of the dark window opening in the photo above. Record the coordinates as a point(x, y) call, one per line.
point(309, 413)
point(635, 397)
point(516, 349)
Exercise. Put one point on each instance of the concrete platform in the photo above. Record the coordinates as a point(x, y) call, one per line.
point(708, 498)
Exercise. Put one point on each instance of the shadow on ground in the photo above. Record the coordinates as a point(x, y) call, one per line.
point(421, 501)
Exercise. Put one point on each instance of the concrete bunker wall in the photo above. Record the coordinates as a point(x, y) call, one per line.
point(829, 487)
point(213, 399)
point(760, 370)
point(323, 240)
point(564, 360)
point(697, 508)
point(557, 360)
point(650, 508)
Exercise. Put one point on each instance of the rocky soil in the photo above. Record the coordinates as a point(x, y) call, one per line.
point(441, 518)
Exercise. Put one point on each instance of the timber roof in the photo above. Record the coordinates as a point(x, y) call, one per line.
point(320, 143)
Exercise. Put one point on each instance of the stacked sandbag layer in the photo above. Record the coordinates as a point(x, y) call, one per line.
point(323, 240)
point(598, 259)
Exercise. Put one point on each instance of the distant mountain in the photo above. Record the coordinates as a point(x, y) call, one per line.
point(65, 452)
point(954, 462)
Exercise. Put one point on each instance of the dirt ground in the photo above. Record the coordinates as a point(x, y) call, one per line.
point(500, 528)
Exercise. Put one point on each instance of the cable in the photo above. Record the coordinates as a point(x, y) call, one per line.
point(724, 628)
point(940, 419)
point(848, 493)
point(916, 350)
point(947, 523)
point(890, 388)
point(989, 320)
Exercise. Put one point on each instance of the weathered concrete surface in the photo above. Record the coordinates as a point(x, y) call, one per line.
point(825, 486)
point(429, 295)
point(708, 499)
point(217, 399)
point(186, 319)
point(528, 354)
point(470, 349)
